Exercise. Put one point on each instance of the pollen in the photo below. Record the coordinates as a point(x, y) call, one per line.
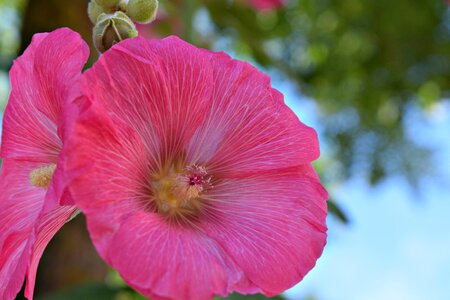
point(41, 177)
point(179, 193)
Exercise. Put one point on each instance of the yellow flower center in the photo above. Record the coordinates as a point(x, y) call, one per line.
point(41, 177)
point(177, 193)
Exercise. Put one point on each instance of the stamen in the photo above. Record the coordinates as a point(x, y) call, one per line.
point(41, 177)
point(191, 183)
point(179, 193)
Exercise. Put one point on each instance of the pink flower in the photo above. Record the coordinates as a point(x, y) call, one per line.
point(194, 175)
point(267, 4)
point(43, 80)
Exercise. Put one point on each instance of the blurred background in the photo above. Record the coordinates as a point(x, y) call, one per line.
point(373, 78)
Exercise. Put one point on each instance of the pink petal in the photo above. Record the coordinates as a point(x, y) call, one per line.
point(60, 181)
point(150, 254)
point(42, 79)
point(110, 164)
point(267, 4)
point(49, 224)
point(167, 261)
point(20, 205)
point(249, 128)
point(151, 87)
point(271, 225)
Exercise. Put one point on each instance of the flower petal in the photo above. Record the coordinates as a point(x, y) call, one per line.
point(166, 261)
point(151, 86)
point(42, 79)
point(267, 4)
point(150, 254)
point(24, 231)
point(110, 166)
point(272, 225)
point(60, 194)
point(262, 225)
point(49, 224)
point(20, 205)
point(248, 127)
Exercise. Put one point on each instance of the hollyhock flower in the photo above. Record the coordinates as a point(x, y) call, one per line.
point(43, 81)
point(267, 4)
point(193, 174)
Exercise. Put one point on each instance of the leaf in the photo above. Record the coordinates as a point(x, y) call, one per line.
point(336, 211)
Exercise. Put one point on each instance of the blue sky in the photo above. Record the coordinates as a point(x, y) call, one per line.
point(398, 243)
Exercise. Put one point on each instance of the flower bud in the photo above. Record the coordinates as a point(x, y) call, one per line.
point(108, 3)
point(94, 10)
point(111, 29)
point(142, 11)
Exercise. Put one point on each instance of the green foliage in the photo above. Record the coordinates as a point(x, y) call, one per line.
point(86, 292)
point(364, 62)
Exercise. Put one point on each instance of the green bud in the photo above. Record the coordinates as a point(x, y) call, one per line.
point(111, 29)
point(142, 11)
point(108, 3)
point(94, 10)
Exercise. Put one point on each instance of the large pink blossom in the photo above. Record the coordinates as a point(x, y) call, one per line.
point(43, 81)
point(194, 175)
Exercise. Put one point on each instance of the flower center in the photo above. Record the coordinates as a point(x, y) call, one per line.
point(41, 177)
point(178, 193)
